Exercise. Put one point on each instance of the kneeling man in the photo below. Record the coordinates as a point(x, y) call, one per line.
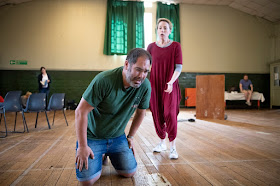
point(103, 113)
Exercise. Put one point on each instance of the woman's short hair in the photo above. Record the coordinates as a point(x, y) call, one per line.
point(165, 20)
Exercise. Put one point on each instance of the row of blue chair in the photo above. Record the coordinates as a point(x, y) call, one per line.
point(35, 103)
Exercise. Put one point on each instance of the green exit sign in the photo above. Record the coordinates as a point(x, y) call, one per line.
point(18, 62)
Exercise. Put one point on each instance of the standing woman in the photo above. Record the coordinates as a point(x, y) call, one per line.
point(166, 94)
point(44, 81)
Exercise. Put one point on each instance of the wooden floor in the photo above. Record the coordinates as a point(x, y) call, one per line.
point(243, 150)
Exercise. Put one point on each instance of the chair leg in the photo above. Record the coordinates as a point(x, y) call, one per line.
point(53, 117)
point(24, 122)
point(15, 122)
point(47, 120)
point(15, 125)
point(24, 119)
point(5, 126)
point(36, 120)
point(65, 117)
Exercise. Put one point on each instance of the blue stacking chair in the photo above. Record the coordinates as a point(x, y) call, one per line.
point(12, 103)
point(57, 103)
point(2, 111)
point(37, 103)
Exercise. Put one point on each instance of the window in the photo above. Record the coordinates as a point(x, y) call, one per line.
point(148, 30)
point(148, 4)
point(172, 13)
point(149, 22)
point(124, 27)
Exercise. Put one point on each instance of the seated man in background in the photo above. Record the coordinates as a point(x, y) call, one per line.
point(103, 113)
point(244, 88)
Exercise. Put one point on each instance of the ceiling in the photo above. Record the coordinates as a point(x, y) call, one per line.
point(267, 9)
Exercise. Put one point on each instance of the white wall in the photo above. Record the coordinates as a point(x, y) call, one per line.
point(56, 34)
point(221, 39)
point(69, 35)
point(277, 42)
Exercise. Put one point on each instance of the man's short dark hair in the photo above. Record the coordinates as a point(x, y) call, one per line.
point(135, 53)
point(245, 75)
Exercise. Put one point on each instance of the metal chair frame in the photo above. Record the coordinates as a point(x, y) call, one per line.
point(57, 103)
point(30, 105)
point(16, 106)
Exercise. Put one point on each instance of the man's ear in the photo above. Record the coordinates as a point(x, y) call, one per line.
point(126, 65)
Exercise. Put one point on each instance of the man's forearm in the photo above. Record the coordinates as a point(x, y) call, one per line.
point(137, 120)
point(81, 129)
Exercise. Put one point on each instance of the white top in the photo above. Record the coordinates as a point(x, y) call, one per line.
point(45, 79)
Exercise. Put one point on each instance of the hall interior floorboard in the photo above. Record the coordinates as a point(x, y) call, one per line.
point(242, 150)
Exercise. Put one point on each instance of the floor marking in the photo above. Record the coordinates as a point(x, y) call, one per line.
point(14, 145)
point(263, 133)
point(34, 163)
point(210, 162)
point(36, 170)
point(150, 164)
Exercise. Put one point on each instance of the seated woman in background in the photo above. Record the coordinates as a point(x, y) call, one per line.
point(244, 88)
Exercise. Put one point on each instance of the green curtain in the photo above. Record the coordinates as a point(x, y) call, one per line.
point(124, 27)
point(172, 13)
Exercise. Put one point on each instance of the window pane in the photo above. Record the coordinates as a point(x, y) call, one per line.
point(276, 76)
point(148, 4)
point(148, 28)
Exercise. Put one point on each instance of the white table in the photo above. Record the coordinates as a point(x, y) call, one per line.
point(240, 96)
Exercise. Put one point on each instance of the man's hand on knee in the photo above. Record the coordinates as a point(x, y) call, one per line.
point(130, 144)
point(82, 157)
point(245, 92)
